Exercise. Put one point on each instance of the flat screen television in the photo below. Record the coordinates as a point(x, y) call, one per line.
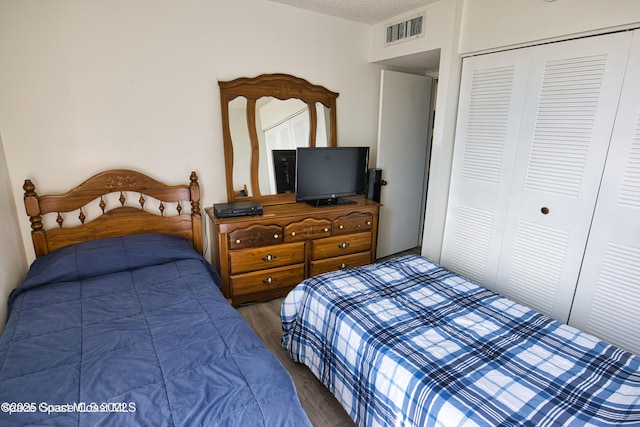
point(325, 175)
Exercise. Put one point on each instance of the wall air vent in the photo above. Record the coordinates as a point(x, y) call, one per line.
point(409, 28)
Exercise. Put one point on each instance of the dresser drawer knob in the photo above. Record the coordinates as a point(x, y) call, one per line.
point(269, 258)
point(343, 245)
point(368, 222)
point(269, 280)
point(341, 227)
point(276, 236)
point(237, 241)
point(326, 230)
point(293, 233)
point(343, 265)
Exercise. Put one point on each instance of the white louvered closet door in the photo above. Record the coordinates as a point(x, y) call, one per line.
point(567, 119)
point(491, 97)
point(607, 299)
point(524, 234)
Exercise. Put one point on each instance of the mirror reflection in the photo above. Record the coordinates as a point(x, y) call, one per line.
point(264, 120)
point(241, 145)
point(282, 126)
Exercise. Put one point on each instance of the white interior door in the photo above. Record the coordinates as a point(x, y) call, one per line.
point(608, 293)
point(403, 129)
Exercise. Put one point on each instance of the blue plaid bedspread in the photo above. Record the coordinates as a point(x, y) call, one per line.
point(408, 343)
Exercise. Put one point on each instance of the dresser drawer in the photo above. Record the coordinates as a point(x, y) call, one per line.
point(255, 235)
point(264, 257)
point(352, 223)
point(275, 278)
point(340, 245)
point(340, 263)
point(307, 229)
point(244, 260)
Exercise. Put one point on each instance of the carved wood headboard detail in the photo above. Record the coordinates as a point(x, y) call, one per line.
point(121, 220)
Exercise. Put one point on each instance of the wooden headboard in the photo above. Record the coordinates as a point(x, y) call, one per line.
point(127, 217)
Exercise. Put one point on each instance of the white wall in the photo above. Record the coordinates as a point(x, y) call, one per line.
point(438, 27)
point(87, 85)
point(12, 260)
point(493, 24)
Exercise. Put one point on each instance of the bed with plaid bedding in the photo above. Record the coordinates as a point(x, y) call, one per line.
point(408, 343)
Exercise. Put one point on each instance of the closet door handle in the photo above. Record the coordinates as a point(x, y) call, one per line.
point(544, 210)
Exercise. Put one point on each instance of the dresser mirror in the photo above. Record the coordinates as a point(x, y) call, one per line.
point(264, 119)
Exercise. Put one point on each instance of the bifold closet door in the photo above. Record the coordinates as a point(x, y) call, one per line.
point(491, 96)
point(557, 130)
point(567, 120)
point(607, 300)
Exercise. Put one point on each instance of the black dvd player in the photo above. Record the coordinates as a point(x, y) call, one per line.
point(226, 210)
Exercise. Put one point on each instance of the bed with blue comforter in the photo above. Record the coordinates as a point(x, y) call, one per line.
point(135, 331)
point(408, 343)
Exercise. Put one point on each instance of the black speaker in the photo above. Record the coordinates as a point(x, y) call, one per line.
point(374, 183)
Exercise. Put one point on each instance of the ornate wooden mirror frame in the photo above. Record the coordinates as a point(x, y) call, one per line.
point(283, 87)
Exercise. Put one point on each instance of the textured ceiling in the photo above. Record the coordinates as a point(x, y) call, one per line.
point(364, 11)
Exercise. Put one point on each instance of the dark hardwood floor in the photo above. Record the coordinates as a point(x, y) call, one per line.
point(321, 406)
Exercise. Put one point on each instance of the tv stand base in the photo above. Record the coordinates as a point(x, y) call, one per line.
point(338, 201)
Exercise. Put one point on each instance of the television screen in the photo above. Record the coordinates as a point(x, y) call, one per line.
point(284, 167)
point(326, 174)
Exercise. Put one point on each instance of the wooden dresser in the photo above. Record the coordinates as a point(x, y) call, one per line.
point(264, 257)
